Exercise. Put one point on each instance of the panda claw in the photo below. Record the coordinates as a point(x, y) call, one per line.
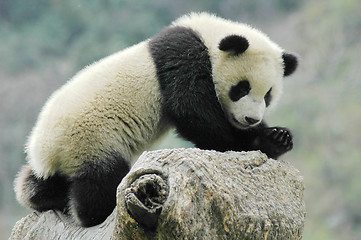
point(280, 136)
point(286, 138)
point(274, 133)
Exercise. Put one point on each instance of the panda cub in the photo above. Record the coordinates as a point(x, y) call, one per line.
point(209, 78)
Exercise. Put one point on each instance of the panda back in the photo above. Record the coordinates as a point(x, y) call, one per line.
point(111, 105)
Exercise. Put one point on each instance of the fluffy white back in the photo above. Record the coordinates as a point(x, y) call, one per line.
point(112, 105)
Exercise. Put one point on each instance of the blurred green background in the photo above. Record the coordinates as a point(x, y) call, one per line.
point(44, 42)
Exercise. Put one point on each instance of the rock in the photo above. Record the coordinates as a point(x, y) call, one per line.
point(214, 195)
point(192, 194)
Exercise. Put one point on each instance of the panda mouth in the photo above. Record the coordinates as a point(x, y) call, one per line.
point(238, 124)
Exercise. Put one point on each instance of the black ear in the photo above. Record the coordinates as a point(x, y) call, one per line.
point(290, 62)
point(234, 43)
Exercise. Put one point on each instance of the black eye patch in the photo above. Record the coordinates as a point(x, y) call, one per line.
point(268, 97)
point(240, 90)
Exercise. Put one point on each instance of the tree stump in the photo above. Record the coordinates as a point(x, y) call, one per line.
point(192, 194)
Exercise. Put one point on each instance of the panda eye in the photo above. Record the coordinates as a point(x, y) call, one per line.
point(240, 90)
point(268, 97)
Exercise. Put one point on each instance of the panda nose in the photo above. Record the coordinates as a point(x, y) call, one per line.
point(251, 120)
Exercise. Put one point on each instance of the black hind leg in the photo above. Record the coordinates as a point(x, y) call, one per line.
point(93, 190)
point(41, 194)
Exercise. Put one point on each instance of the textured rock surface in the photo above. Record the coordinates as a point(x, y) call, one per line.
point(192, 194)
point(54, 225)
point(216, 195)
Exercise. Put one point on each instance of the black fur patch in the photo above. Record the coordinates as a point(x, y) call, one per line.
point(50, 193)
point(189, 99)
point(239, 90)
point(268, 97)
point(93, 191)
point(234, 43)
point(290, 62)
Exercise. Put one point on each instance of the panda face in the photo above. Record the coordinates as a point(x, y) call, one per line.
point(245, 109)
point(246, 99)
point(247, 84)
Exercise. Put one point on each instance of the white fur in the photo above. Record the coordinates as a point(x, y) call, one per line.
point(82, 117)
point(23, 191)
point(261, 64)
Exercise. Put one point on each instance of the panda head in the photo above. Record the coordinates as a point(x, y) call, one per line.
point(248, 76)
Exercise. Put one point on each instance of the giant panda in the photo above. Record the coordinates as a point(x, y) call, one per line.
point(209, 78)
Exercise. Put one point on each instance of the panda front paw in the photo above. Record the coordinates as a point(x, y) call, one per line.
point(280, 136)
point(276, 141)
